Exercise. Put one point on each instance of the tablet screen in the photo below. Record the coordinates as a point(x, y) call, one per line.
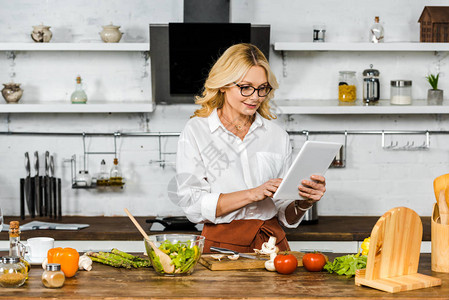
point(314, 158)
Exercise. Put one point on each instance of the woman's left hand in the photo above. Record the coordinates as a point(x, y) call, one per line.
point(313, 189)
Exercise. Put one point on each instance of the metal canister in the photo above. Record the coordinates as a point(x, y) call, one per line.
point(371, 85)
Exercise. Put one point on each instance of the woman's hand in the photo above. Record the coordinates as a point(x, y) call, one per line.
point(313, 189)
point(265, 190)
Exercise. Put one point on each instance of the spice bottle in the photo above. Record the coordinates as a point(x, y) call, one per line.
point(13, 273)
point(116, 178)
point(347, 91)
point(53, 277)
point(16, 248)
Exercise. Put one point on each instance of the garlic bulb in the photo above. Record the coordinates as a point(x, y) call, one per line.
point(44, 263)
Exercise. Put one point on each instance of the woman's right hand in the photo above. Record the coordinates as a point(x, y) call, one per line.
point(264, 190)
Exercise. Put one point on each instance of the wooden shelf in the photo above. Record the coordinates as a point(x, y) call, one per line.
point(350, 46)
point(334, 107)
point(75, 46)
point(67, 107)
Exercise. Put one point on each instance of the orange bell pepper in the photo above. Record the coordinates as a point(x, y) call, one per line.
point(66, 257)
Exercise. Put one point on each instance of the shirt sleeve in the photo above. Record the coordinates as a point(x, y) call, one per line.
point(193, 190)
point(281, 204)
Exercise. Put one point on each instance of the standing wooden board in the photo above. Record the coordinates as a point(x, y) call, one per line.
point(393, 256)
point(240, 264)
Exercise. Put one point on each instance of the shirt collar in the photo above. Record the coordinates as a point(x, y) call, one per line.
point(214, 121)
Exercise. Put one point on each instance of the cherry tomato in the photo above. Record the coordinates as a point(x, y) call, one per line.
point(314, 262)
point(285, 263)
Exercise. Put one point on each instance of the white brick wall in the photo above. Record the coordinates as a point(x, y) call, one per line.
point(374, 180)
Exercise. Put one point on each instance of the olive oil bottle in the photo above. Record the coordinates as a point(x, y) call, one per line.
point(16, 248)
point(115, 178)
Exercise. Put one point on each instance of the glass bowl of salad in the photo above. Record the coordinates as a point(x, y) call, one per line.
point(184, 250)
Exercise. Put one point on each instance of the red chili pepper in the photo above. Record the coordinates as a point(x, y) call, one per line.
point(66, 257)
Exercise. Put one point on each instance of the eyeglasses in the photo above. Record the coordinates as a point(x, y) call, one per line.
point(247, 90)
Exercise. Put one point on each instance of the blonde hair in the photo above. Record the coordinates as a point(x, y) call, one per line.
point(231, 67)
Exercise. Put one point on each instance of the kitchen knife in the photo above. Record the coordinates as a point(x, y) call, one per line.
point(37, 184)
point(59, 199)
point(228, 251)
point(22, 198)
point(28, 182)
point(47, 184)
point(53, 196)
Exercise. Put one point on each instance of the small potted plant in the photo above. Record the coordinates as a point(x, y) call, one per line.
point(434, 95)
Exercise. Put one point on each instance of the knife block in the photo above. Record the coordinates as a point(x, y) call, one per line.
point(440, 243)
point(393, 257)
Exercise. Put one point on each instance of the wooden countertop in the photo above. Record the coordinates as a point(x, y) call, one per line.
point(105, 282)
point(121, 228)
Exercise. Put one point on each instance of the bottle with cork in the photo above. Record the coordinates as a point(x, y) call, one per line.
point(376, 32)
point(16, 248)
point(79, 95)
point(115, 178)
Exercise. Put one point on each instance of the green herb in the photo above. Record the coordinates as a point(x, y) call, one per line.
point(183, 257)
point(433, 80)
point(347, 264)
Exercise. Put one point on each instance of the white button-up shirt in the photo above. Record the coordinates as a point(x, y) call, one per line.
point(211, 160)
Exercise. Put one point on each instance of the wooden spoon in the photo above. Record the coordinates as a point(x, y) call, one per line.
point(444, 210)
point(163, 257)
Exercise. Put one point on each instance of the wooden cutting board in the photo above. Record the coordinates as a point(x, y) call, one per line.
point(240, 264)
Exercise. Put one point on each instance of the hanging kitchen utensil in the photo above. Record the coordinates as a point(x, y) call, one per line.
point(175, 223)
point(28, 182)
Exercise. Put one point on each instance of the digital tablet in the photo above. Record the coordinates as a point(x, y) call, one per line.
point(314, 158)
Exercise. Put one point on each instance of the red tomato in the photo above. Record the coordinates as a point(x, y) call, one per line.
point(314, 262)
point(285, 263)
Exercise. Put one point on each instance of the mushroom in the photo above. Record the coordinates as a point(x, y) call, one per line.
point(269, 264)
point(217, 256)
point(234, 257)
point(269, 247)
point(85, 263)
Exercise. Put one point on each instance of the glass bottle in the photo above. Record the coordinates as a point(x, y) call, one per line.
point(13, 272)
point(78, 96)
point(53, 277)
point(347, 91)
point(16, 248)
point(376, 32)
point(115, 178)
point(103, 176)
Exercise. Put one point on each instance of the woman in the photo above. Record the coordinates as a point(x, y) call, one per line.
point(231, 158)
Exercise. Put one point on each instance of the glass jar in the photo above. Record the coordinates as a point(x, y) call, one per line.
point(13, 273)
point(53, 277)
point(83, 179)
point(347, 91)
point(401, 92)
